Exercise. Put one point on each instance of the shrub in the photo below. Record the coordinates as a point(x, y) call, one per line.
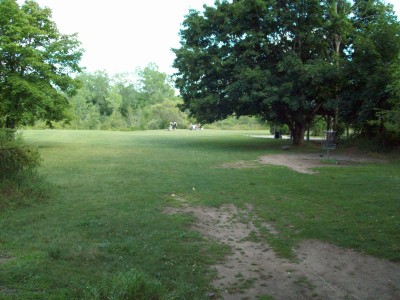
point(19, 183)
point(282, 128)
point(161, 114)
point(318, 127)
point(241, 123)
point(15, 155)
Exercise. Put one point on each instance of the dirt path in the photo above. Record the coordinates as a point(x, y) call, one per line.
point(323, 271)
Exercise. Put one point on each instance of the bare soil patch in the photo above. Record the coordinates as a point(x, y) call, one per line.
point(241, 164)
point(302, 163)
point(323, 271)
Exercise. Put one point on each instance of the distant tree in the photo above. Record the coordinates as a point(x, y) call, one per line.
point(119, 102)
point(80, 108)
point(128, 91)
point(115, 120)
point(153, 85)
point(97, 86)
point(36, 63)
point(114, 98)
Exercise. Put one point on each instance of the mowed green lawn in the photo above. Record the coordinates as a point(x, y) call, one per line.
point(104, 220)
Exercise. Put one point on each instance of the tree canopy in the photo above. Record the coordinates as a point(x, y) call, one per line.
point(287, 61)
point(36, 64)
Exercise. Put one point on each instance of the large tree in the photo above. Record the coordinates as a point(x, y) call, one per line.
point(36, 63)
point(278, 59)
point(373, 70)
point(266, 58)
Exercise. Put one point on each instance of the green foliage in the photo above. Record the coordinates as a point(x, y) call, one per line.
point(243, 122)
point(389, 116)
point(373, 73)
point(35, 65)
point(20, 185)
point(289, 62)
point(96, 91)
point(283, 129)
point(260, 61)
point(154, 86)
point(160, 115)
point(318, 127)
point(125, 286)
point(15, 155)
point(120, 103)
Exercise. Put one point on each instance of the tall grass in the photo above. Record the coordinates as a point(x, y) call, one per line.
point(106, 217)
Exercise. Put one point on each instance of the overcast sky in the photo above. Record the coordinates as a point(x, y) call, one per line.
point(120, 35)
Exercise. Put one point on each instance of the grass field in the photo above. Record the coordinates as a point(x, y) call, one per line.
point(103, 228)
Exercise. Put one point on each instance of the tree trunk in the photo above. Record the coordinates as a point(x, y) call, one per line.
point(10, 123)
point(338, 42)
point(298, 135)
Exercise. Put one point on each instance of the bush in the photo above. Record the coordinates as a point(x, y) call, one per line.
point(158, 116)
point(15, 155)
point(281, 128)
point(156, 124)
point(318, 127)
point(19, 183)
point(241, 123)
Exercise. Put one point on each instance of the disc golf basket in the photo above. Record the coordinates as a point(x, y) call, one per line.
point(329, 142)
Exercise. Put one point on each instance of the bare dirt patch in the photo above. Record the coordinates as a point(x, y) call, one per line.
point(323, 271)
point(241, 164)
point(302, 163)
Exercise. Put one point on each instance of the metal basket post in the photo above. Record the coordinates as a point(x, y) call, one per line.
point(329, 142)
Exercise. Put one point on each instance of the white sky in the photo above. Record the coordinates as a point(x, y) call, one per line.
point(120, 35)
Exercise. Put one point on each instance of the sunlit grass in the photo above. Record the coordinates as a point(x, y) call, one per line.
point(106, 216)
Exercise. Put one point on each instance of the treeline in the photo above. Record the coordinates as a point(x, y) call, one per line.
point(145, 100)
point(120, 102)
